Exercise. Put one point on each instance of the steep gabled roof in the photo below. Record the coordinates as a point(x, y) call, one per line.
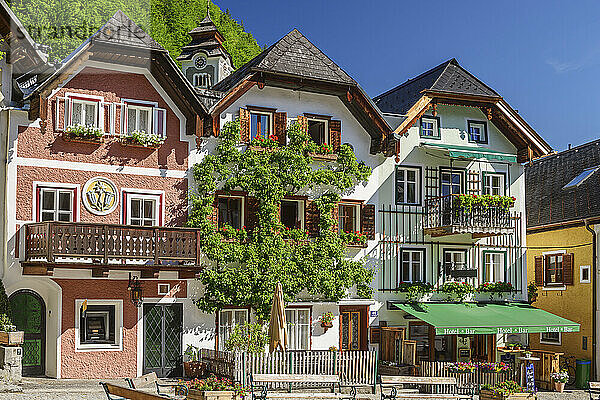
point(120, 29)
point(293, 55)
point(448, 77)
point(547, 199)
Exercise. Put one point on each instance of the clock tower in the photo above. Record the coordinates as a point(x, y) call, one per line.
point(204, 61)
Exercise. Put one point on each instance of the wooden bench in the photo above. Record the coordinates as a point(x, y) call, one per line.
point(594, 390)
point(150, 381)
point(389, 387)
point(114, 392)
point(259, 386)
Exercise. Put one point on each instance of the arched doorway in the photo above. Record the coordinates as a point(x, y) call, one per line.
point(28, 313)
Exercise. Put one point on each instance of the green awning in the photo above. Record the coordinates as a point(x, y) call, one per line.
point(456, 151)
point(480, 318)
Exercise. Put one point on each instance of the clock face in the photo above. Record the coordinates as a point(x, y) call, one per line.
point(200, 62)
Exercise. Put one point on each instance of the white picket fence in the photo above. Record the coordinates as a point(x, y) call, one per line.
point(357, 368)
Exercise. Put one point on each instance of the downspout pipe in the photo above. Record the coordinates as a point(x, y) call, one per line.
point(593, 276)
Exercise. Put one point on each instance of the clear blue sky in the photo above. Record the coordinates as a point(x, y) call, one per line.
point(543, 57)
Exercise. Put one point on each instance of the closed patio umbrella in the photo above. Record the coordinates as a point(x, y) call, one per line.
point(277, 325)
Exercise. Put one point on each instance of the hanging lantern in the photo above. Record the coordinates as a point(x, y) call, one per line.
point(135, 290)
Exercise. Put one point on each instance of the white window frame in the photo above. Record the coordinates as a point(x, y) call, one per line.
point(405, 183)
point(139, 107)
point(118, 346)
point(453, 251)
point(200, 78)
point(326, 121)
point(163, 288)
point(435, 130)
point(300, 205)
point(229, 328)
point(489, 189)
point(451, 184)
point(411, 251)
point(589, 272)
point(56, 188)
point(143, 197)
point(294, 326)
point(483, 135)
point(259, 112)
point(357, 219)
point(128, 193)
point(489, 267)
point(545, 341)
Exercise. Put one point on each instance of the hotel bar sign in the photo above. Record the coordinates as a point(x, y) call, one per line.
point(491, 330)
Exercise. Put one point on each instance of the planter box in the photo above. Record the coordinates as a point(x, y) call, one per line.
point(323, 157)
point(12, 338)
point(129, 142)
point(194, 369)
point(213, 395)
point(357, 245)
point(489, 395)
point(80, 139)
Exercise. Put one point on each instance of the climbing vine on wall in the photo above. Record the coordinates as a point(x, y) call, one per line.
point(243, 266)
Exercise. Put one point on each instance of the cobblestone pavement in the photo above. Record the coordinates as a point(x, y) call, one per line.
point(74, 389)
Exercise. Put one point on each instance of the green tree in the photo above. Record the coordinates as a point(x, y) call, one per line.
point(4, 303)
point(244, 266)
point(65, 25)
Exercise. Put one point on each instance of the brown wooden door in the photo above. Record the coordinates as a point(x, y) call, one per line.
point(353, 327)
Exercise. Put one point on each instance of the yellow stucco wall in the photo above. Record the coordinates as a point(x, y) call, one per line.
point(575, 302)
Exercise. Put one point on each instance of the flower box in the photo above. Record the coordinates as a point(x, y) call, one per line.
point(128, 141)
point(11, 338)
point(486, 394)
point(69, 137)
point(357, 245)
point(323, 157)
point(211, 395)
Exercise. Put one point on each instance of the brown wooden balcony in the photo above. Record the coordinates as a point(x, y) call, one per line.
point(102, 247)
point(444, 216)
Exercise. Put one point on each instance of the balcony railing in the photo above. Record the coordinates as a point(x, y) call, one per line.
point(89, 245)
point(445, 216)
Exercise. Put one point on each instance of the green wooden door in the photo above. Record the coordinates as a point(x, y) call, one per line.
point(28, 313)
point(163, 328)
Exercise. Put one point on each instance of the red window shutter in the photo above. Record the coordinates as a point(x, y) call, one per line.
point(244, 125)
point(568, 263)
point(281, 127)
point(251, 212)
point(335, 134)
point(303, 121)
point(312, 218)
point(367, 220)
point(539, 270)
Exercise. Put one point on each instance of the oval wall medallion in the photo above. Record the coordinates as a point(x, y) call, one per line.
point(100, 196)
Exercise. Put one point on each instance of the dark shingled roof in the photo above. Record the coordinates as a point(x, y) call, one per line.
point(546, 200)
point(206, 25)
point(120, 29)
point(447, 77)
point(293, 55)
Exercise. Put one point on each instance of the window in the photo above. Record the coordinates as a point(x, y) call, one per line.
point(139, 118)
point(456, 266)
point(298, 328)
point(98, 324)
point(412, 266)
point(164, 288)
point(230, 211)
point(493, 184)
point(56, 204)
point(477, 131)
point(202, 80)
point(317, 129)
point(554, 269)
point(84, 112)
point(348, 217)
point(419, 332)
point(408, 185)
point(142, 209)
point(228, 319)
point(260, 124)
point(430, 127)
point(451, 182)
point(579, 179)
point(494, 265)
point(584, 274)
point(550, 338)
point(292, 214)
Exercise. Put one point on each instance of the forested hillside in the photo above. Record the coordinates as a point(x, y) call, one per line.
point(63, 25)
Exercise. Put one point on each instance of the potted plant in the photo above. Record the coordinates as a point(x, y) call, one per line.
point(356, 239)
point(321, 152)
point(327, 320)
point(83, 133)
point(213, 388)
point(142, 139)
point(192, 366)
point(508, 390)
point(560, 379)
point(8, 332)
point(269, 143)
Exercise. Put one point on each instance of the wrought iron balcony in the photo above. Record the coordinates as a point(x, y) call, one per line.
point(446, 216)
point(103, 247)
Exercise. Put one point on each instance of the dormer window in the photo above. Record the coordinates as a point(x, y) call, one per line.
point(202, 80)
point(261, 124)
point(84, 112)
point(138, 118)
point(430, 127)
point(477, 131)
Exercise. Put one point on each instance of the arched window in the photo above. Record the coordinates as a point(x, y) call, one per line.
point(202, 80)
